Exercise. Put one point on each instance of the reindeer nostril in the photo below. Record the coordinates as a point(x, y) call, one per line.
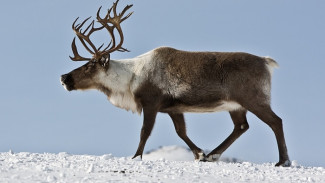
point(64, 77)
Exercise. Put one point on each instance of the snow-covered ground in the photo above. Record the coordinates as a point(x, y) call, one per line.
point(167, 164)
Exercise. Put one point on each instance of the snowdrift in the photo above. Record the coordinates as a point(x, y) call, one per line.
point(167, 164)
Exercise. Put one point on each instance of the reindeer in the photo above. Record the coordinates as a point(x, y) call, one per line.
point(172, 81)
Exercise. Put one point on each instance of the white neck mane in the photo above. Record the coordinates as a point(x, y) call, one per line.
point(122, 79)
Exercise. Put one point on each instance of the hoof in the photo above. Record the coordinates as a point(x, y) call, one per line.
point(213, 157)
point(286, 163)
point(137, 155)
point(201, 157)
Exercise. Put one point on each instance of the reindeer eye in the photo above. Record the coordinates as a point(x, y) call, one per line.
point(89, 66)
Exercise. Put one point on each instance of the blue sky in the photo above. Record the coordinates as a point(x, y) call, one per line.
point(38, 115)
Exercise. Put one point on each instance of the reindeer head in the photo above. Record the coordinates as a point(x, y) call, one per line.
point(86, 76)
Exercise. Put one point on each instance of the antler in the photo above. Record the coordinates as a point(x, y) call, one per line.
point(116, 20)
point(84, 36)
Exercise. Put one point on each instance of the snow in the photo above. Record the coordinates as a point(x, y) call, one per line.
point(167, 164)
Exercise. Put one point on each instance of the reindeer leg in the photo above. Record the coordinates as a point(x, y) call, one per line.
point(265, 113)
point(148, 123)
point(239, 119)
point(180, 127)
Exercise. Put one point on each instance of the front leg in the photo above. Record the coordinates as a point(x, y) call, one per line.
point(149, 119)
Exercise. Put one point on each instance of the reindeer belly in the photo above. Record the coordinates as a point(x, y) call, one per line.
point(204, 108)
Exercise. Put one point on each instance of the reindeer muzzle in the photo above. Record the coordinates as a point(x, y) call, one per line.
point(67, 82)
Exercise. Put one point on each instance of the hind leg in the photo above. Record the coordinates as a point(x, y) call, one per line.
point(180, 127)
point(240, 122)
point(265, 113)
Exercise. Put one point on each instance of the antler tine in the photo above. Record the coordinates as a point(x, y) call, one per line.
point(114, 8)
point(93, 29)
point(73, 24)
point(107, 46)
point(123, 50)
point(100, 47)
point(122, 13)
point(91, 24)
point(82, 23)
point(76, 57)
point(124, 10)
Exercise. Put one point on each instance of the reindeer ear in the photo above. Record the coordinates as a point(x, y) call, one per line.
point(105, 60)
